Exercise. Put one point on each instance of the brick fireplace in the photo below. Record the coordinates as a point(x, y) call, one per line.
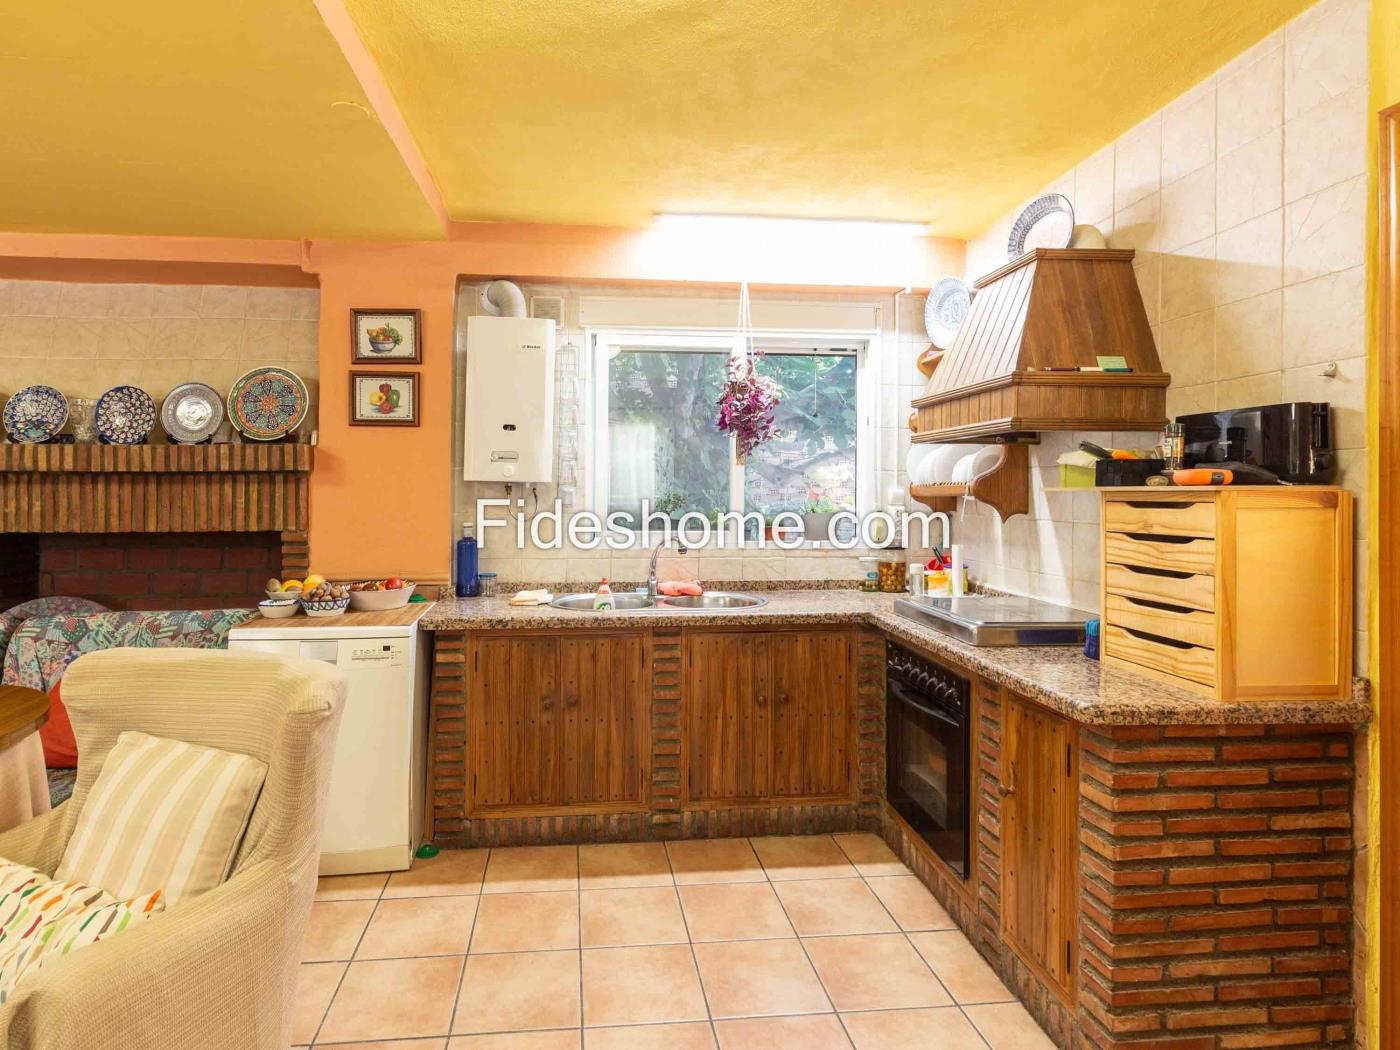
point(152, 527)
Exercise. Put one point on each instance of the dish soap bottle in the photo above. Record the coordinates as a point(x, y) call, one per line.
point(468, 584)
point(603, 599)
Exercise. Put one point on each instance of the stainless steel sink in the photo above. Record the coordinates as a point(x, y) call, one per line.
point(639, 603)
point(621, 602)
point(712, 600)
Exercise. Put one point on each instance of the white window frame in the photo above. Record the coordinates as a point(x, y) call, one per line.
point(600, 342)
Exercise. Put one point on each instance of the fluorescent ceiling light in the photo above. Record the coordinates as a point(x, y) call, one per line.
point(775, 226)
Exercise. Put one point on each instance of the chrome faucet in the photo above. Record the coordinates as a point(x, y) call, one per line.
point(651, 570)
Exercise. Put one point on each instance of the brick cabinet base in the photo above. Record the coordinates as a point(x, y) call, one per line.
point(1215, 870)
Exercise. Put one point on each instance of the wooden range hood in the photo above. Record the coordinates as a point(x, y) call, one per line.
point(1048, 309)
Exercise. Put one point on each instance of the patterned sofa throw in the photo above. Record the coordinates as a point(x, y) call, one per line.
point(163, 814)
point(11, 618)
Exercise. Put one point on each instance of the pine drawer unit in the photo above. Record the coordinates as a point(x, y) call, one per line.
point(1235, 593)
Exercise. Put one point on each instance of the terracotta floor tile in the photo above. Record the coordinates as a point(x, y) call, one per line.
point(834, 906)
point(940, 1029)
point(531, 869)
point(526, 922)
point(802, 857)
point(351, 887)
point(870, 854)
point(565, 1039)
point(419, 926)
point(736, 912)
point(512, 993)
point(961, 969)
point(753, 978)
point(812, 1032)
point(391, 1044)
point(874, 972)
point(615, 865)
point(393, 999)
point(334, 930)
point(911, 904)
point(714, 860)
point(624, 986)
point(451, 872)
point(691, 1035)
point(648, 915)
point(1008, 1026)
point(316, 984)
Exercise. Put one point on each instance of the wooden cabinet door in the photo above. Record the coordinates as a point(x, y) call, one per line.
point(604, 714)
point(1039, 838)
point(727, 716)
point(813, 707)
point(514, 724)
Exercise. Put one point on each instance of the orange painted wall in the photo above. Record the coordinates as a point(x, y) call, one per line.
point(381, 496)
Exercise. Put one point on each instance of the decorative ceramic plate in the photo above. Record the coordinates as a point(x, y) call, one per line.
point(191, 412)
point(125, 415)
point(268, 403)
point(1047, 222)
point(35, 414)
point(944, 309)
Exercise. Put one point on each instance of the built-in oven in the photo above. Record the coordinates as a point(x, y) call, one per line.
point(928, 752)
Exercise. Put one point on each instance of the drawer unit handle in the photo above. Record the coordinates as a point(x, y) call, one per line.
point(1152, 537)
point(1147, 636)
point(1163, 606)
point(1174, 574)
point(1143, 504)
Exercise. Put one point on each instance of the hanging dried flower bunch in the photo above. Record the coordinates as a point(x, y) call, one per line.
point(747, 400)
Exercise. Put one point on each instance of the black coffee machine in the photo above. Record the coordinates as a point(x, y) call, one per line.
point(1293, 441)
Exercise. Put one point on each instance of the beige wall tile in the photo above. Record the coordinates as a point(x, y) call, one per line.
point(1249, 100)
point(1346, 392)
point(1263, 389)
point(1188, 208)
point(1148, 271)
point(176, 300)
point(1138, 163)
point(35, 298)
point(1249, 258)
point(1249, 181)
point(1325, 319)
point(1324, 54)
point(1186, 400)
point(1138, 226)
point(223, 301)
point(1186, 346)
point(222, 337)
point(1188, 132)
point(1249, 336)
point(1188, 280)
point(1326, 232)
point(1093, 187)
point(1326, 144)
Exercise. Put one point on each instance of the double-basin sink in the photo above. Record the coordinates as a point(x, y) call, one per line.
point(714, 601)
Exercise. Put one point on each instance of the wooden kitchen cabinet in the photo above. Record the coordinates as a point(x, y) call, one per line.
point(556, 723)
point(768, 716)
point(1040, 838)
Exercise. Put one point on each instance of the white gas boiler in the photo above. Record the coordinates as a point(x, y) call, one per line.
point(508, 424)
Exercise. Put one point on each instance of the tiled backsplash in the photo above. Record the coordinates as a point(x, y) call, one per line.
point(1245, 200)
point(891, 366)
point(86, 338)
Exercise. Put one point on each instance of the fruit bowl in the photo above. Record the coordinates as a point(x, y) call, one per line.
point(277, 608)
point(325, 606)
point(373, 601)
point(281, 595)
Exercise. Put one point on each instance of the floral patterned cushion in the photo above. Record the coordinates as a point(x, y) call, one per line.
point(11, 618)
point(44, 646)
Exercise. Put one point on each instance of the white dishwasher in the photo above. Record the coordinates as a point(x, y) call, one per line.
point(374, 814)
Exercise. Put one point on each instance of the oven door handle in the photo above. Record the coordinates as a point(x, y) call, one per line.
point(903, 696)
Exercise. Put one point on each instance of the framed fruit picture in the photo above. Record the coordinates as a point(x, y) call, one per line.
point(386, 336)
point(379, 399)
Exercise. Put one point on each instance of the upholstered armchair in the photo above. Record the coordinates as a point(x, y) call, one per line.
point(216, 971)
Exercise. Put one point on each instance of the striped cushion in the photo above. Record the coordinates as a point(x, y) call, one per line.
point(162, 815)
point(66, 935)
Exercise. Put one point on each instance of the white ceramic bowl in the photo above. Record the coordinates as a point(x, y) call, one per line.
point(373, 601)
point(276, 610)
point(326, 606)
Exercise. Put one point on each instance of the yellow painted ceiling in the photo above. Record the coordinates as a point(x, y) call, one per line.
point(242, 117)
point(940, 111)
point(199, 117)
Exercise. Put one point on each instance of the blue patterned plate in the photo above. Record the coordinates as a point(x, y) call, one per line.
point(125, 415)
point(35, 414)
point(268, 403)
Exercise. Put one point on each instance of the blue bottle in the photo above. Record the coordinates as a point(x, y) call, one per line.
point(465, 564)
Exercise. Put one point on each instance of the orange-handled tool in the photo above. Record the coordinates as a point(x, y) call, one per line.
point(1202, 476)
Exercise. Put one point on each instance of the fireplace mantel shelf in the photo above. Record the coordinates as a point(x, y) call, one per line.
point(156, 459)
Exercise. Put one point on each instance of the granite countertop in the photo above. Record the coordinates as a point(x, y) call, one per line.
point(1058, 676)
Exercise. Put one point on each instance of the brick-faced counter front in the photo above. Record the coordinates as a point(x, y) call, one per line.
point(1214, 886)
